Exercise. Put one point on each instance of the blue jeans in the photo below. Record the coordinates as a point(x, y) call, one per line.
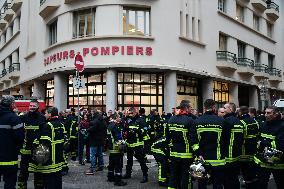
point(96, 152)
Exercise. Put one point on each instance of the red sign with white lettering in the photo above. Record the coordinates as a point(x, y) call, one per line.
point(99, 51)
point(79, 63)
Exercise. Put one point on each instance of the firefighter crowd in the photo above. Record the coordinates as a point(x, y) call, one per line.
point(226, 147)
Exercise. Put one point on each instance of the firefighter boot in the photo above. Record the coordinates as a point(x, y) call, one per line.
point(118, 181)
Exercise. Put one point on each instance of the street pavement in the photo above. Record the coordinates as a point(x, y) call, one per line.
point(76, 179)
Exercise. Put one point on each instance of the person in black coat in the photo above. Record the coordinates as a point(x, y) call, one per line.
point(98, 133)
point(12, 137)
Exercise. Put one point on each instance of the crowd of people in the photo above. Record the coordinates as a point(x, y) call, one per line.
point(226, 142)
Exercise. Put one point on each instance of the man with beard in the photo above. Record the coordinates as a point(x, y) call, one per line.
point(33, 121)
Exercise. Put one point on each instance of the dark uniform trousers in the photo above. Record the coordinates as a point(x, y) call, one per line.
point(264, 175)
point(217, 178)
point(9, 176)
point(50, 181)
point(179, 173)
point(140, 156)
point(163, 164)
point(115, 165)
point(232, 171)
point(249, 171)
point(81, 144)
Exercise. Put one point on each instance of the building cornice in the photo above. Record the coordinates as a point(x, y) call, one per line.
point(75, 40)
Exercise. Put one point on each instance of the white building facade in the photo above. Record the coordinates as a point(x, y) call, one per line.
point(149, 54)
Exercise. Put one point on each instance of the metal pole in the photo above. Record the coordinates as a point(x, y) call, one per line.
point(77, 76)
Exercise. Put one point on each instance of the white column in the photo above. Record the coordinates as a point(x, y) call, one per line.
point(231, 8)
point(248, 17)
point(232, 45)
point(60, 91)
point(253, 97)
point(7, 63)
point(170, 91)
point(264, 58)
point(8, 33)
point(3, 39)
point(262, 26)
point(15, 57)
point(234, 93)
point(16, 26)
point(24, 90)
point(207, 89)
point(39, 90)
point(196, 29)
point(249, 52)
point(111, 90)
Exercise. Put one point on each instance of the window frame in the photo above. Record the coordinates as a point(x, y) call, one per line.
point(53, 36)
point(126, 10)
point(220, 92)
point(76, 21)
point(222, 5)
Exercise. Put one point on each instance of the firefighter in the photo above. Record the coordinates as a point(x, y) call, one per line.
point(33, 121)
point(146, 132)
point(135, 145)
point(115, 130)
point(272, 135)
point(160, 150)
point(71, 126)
point(177, 135)
point(52, 135)
point(12, 137)
point(234, 134)
point(207, 141)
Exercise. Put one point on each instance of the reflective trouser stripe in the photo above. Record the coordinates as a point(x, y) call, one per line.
point(189, 183)
point(9, 163)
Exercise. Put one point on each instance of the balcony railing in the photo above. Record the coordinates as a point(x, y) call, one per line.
point(4, 72)
point(42, 2)
point(261, 68)
point(273, 5)
point(226, 56)
point(274, 72)
point(6, 6)
point(246, 62)
point(14, 67)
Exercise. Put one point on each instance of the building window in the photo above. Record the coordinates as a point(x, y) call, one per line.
point(270, 61)
point(221, 93)
point(221, 5)
point(93, 96)
point(53, 33)
point(136, 21)
point(84, 23)
point(222, 42)
point(257, 58)
point(186, 26)
point(239, 13)
point(269, 29)
point(241, 50)
point(188, 89)
point(140, 90)
point(49, 95)
point(256, 22)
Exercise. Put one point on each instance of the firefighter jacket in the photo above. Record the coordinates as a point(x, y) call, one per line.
point(234, 134)
point(51, 135)
point(272, 135)
point(155, 125)
point(160, 148)
point(207, 138)
point(114, 134)
point(12, 137)
point(251, 137)
point(143, 123)
point(71, 126)
point(33, 121)
point(134, 132)
point(177, 134)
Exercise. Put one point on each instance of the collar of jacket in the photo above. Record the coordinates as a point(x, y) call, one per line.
point(209, 112)
point(245, 116)
point(229, 115)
